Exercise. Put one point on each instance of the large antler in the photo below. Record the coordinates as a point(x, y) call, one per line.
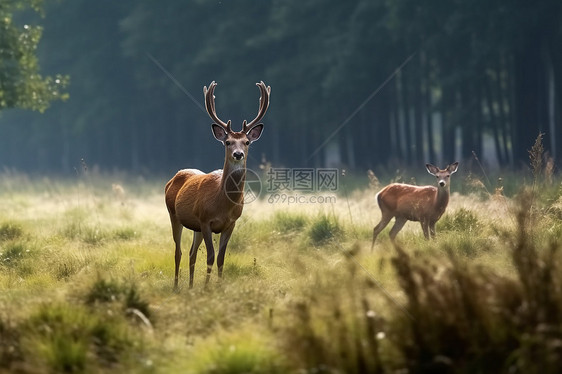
point(210, 106)
point(264, 103)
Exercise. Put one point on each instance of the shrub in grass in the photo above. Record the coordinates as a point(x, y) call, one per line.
point(237, 353)
point(66, 268)
point(10, 231)
point(323, 228)
point(71, 339)
point(13, 253)
point(90, 235)
point(133, 300)
point(463, 220)
point(236, 269)
point(10, 347)
point(287, 222)
point(335, 328)
point(103, 291)
point(124, 233)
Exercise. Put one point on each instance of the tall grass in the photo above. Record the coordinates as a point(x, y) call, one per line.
point(453, 317)
point(88, 286)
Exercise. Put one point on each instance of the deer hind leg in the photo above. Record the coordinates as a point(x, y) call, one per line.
point(197, 238)
point(208, 238)
point(432, 229)
point(225, 237)
point(426, 228)
point(177, 229)
point(398, 224)
point(385, 219)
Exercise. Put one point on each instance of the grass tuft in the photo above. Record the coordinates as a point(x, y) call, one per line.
point(70, 339)
point(104, 291)
point(287, 222)
point(10, 231)
point(463, 220)
point(243, 353)
point(323, 228)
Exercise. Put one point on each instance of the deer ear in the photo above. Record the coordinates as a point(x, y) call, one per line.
point(255, 132)
point(432, 169)
point(453, 167)
point(219, 132)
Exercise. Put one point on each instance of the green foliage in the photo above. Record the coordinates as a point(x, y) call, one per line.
point(463, 220)
point(10, 231)
point(72, 339)
point(335, 328)
point(96, 235)
point(124, 233)
point(236, 269)
point(103, 291)
point(13, 253)
point(286, 222)
point(323, 228)
point(243, 353)
point(21, 85)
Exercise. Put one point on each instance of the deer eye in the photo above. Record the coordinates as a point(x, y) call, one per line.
point(247, 142)
point(227, 142)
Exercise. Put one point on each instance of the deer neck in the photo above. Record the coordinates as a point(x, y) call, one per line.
point(233, 178)
point(442, 198)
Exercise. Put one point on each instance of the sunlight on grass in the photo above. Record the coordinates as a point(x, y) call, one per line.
point(86, 280)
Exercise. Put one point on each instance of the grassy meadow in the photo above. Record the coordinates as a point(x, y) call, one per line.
point(87, 266)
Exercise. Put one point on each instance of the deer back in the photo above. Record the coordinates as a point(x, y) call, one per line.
point(411, 202)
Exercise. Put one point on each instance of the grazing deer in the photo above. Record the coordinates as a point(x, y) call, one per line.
point(425, 204)
point(211, 203)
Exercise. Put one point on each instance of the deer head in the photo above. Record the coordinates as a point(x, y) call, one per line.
point(442, 175)
point(236, 143)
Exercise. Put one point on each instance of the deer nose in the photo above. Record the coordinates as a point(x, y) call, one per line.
point(442, 183)
point(238, 155)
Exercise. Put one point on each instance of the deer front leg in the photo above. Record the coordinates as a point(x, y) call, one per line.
point(425, 227)
point(208, 238)
point(225, 237)
point(197, 238)
point(176, 233)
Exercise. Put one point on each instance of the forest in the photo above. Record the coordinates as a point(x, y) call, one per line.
point(363, 84)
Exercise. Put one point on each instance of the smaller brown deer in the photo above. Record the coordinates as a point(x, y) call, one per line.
point(424, 204)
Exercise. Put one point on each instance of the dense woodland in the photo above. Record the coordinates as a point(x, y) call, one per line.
point(363, 84)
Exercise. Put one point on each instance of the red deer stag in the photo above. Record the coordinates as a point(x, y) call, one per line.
point(425, 204)
point(211, 203)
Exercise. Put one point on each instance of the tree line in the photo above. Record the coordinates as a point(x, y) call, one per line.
point(365, 84)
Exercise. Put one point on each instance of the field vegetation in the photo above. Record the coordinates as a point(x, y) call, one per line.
point(86, 280)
